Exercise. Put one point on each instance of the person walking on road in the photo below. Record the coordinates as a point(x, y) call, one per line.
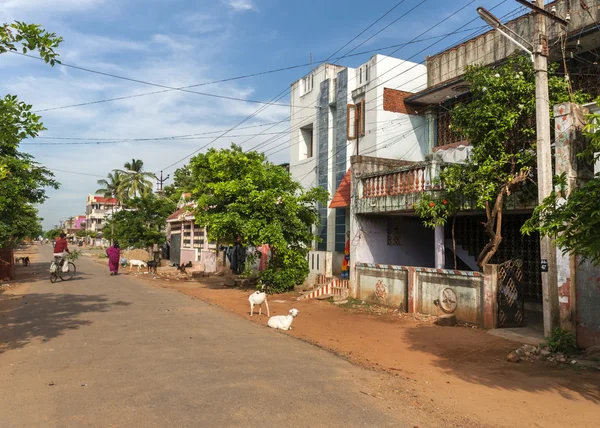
point(114, 255)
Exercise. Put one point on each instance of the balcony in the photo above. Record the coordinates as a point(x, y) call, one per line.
point(397, 189)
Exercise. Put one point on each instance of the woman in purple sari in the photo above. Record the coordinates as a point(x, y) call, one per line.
point(113, 254)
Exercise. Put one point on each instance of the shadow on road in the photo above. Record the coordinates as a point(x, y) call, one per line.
point(24, 318)
point(37, 272)
point(479, 358)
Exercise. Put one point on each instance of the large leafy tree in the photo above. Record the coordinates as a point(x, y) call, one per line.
point(574, 220)
point(243, 195)
point(135, 181)
point(22, 180)
point(499, 124)
point(142, 224)
point(183, 182)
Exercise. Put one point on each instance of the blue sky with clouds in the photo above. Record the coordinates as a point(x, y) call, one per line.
point(179, 43)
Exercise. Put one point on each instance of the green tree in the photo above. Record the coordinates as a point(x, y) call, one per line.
point(112, 186)
point(183, 182)
point(499, 125)
point(142, 224)
point(22, 180)
point(135, 181)
point(243, 195)
point(574, 222)
point(52, 233)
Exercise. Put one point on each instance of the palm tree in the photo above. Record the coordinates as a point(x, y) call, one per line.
point(112, 186)
point(136, 182)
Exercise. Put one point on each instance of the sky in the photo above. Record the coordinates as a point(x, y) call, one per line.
point(177, 43)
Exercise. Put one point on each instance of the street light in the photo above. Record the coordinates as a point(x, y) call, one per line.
point(496, 24)
point(539, 53)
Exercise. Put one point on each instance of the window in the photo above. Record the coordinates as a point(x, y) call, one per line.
point(356, 120)
point(307, 84)
point(351, 122)
point(360, 76)
point(366, 72)
point(99, 221)
point(360, 116)
point(306, 142)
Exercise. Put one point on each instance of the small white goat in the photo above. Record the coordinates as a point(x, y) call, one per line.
point(258, 298)
point(140, 264)
point(283, 322)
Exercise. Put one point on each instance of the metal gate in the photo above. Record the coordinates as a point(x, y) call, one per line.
point(511, 312)
point(175, 248)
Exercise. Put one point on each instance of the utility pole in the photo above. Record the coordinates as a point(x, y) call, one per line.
point(544, 168)
point(548, 257)
point(159, 183)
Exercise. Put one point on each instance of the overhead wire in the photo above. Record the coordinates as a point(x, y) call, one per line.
point(277, 70)
point(280, 95)
point(273, 139)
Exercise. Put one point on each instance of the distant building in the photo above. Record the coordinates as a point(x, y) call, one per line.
point(73, 224)
point(97, 210)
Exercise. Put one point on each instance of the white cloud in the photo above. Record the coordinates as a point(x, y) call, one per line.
point(163, 55)
point(241, 5)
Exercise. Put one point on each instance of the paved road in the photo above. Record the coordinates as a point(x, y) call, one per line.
point(104, 351)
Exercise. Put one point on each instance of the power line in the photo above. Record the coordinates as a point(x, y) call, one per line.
point(75, 172)
point(281, 94)
point(172, 137)
point(363, 42)
point(143, 82)
point(92, 141)
point(403, 62)
point(277, 70)
point(273, 139)
point(135, 140)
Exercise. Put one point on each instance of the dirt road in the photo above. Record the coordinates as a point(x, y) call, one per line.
point(451, 371)
point(104, 351)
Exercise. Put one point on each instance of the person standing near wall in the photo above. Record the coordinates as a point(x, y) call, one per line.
point(346, 262)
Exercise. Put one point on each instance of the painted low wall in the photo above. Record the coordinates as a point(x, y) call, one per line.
point(188, 255)
point(386, 286)
point(415, 289)
point(468, 288)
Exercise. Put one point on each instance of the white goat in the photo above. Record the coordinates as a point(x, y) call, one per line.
point(258, 298)
point(140, 264)
point(283, 322)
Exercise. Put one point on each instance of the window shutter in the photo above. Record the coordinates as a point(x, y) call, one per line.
point(351, 128)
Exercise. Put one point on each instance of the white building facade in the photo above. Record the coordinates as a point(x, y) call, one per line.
point(97, 210)
point(338, 112)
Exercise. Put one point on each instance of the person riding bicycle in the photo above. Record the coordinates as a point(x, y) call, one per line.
point(61, 248)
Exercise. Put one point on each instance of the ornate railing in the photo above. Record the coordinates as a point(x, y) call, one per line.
point(416, 178)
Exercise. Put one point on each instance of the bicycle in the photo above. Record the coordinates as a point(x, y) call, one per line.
point(56, 270)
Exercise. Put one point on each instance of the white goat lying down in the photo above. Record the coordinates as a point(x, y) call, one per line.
point(283, 322)
point(140, 264)
point(258, 298)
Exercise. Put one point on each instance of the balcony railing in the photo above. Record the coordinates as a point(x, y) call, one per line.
point(398, 189)
point(412, 179)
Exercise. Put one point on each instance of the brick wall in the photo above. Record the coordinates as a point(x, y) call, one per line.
point(393, 100)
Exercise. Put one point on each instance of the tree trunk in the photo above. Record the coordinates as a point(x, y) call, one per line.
point(493, 227)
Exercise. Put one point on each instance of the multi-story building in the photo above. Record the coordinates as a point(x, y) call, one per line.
point(397, 260)
point(338, 112)
point(97, 209)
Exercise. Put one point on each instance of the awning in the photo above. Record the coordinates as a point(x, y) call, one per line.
point(341, 199)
